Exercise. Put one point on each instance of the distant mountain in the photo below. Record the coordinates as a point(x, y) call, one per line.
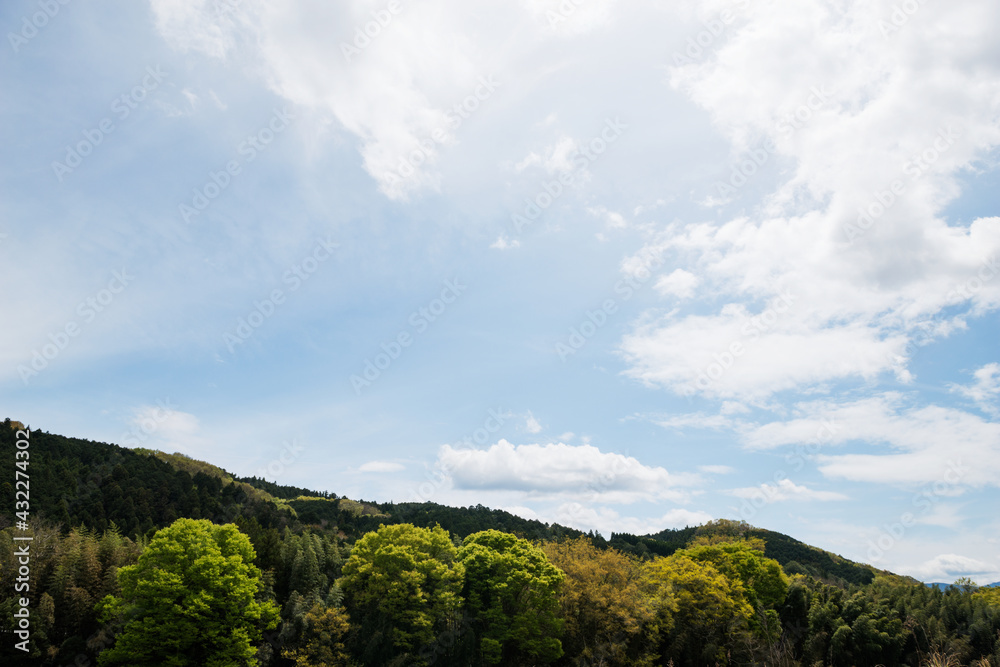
point(938, 585)
point(944, 587)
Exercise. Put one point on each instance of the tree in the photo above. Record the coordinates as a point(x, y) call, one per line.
point(190, 600)
point(323, 639)
point(402, 586)
point(761, 579)
point(708, 611)
point(609, 617)
point(511, 590)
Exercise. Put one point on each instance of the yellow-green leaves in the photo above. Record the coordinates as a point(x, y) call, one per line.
point(190, 600)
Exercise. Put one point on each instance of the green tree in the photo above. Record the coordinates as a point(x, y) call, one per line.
point(511, 590)
point(402, 586)
point(190, 600)
point(323, 639)
point(708, 609)
point(609, 618)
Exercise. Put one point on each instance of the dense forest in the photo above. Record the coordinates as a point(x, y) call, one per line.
point(146, 558)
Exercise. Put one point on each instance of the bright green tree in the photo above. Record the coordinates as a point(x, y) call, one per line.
point(511, 590)
point(190, 600)
point(762, 580)
point(706, 607)
point(402, 587)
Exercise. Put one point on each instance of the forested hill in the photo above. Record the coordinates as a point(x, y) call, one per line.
point(83, 483)
point(95, 508)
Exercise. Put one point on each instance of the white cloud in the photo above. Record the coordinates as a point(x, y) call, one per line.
point(554, 159)
point(397, 94)
point(785, 490)
point(166, 429)
point(696, 420)
point(680, 283)
point(926, 444)
point(751, 355)
point(717, 469)
point(605, 520)
point(986, 390)
point(946, 568)
point(867, 107)
point(946, 515)
point(613, 219)
point(503, 244)
point(531, 424)
point(559, 470)
point(381, 466)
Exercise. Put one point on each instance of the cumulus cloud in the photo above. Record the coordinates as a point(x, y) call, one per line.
point(560, 470)
point(873, 268)
point(946, 568)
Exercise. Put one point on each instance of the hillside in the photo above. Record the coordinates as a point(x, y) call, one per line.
point(95, 507)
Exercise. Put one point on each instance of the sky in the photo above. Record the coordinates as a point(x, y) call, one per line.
point(620, 266)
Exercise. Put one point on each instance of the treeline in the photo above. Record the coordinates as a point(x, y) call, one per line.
point(417, 583)
point(406, 595)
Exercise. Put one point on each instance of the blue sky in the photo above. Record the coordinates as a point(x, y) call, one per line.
point(624, 267)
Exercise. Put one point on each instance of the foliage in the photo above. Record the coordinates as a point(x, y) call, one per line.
point(610, 618)
point(325, 631)
point(511, 591)
point(707, 608)
point(717, 598)
point(402, 584)
point(190, 600)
